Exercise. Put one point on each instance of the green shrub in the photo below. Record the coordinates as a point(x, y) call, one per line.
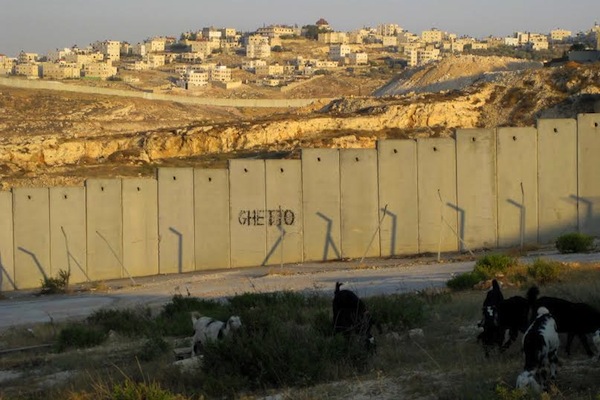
point(398, 311)
point(491, 265)
point(153, 348)
point(466, 280)
point(504, 392)
point(60, 284)
point(130, 390)
point(80, 336)
point(545, 271)
point(574, 243)
point(175, 317)
point(128, 322)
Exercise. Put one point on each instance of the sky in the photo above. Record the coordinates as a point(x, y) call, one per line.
point(38, 26)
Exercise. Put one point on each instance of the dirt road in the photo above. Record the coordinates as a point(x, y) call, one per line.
point(374, 276)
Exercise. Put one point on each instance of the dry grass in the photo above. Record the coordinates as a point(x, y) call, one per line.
point(447, 363)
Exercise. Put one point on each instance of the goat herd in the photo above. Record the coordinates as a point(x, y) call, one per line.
point(540, 319)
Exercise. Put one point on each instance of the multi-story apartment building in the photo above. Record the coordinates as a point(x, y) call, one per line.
point(357, 36)
point(139, 49)
point(269, 70)
point(82, 58)
point(192, 78)
point(323, 64)
point(190, 57)
point(258, 47)
point(278, 30)
point(432, 36)
point(251, 65)
point(203, 47)
point(102, 70)
point(155, 45)
point(559, 35)
point(389, 41)
point(407, 37)
point(534, 41)
point(110, 48)
point(358, 58)
point(60, 70)
point(31, 71)
point(423, 56)
point(479, 45)
point(388, 29)
point(154, 60)
point(333, 37)
point(6, 65)
point(338, 51)
point(211, 34)
point(228, 33)
point(125, 49)
point(220, 73)
point(58, 54)
point(27, 58)
point(407, 48)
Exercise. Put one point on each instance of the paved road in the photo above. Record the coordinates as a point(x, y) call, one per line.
point(370, 278)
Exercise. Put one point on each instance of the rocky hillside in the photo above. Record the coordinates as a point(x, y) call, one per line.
point(53, 138)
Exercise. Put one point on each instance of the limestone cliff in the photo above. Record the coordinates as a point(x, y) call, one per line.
point(62, 138)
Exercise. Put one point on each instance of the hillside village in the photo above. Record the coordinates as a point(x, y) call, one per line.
point(277, 56)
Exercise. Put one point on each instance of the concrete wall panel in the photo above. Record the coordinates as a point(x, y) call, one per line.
point(7, 260)
point(68, 243)
point(397, 163)
point(31, 237)
point(436, 163)
point(211, 205)
point(517, 186)
point(176, 220)
point(284, 211)
point(476, 188)
point(588, 126)
point(104, 229)
point(321, 204)
point(557, 184)
point(359, 199)
point(140, 226)
point(248, 212)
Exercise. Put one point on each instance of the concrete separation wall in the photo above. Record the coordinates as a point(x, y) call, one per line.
point(557, 172)
point(68, 247)
point(321, 204)
point(517, 182)
point(359, 203)
point(284, 211)
point(588, 150)
point(242, 103)
point(211, 211)
point(488, 188)
point(31, 236)
point(249, 219)
point(140, 227)
point(476, 188)
point(397, 164)
point(104, 229)
point(437, 195)
point(176, 220)
point(7, 262)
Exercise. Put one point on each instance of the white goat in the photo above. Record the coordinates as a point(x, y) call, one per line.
point(540, 345)
point(207, 329)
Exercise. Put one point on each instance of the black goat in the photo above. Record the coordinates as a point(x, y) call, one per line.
point(501, 315)
point(574, 319)
point(350, 315)
point(540, 345)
